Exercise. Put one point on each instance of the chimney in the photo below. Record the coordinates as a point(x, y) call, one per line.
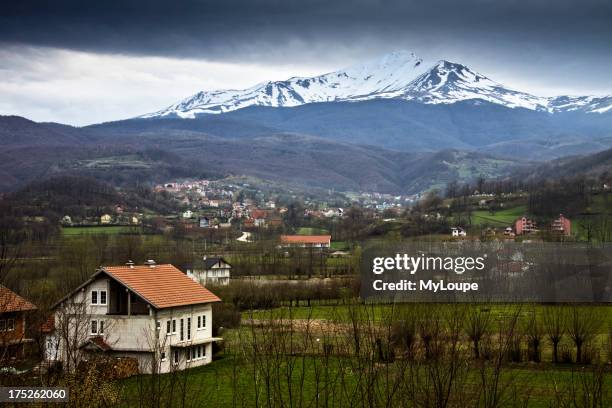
point(151, 263)
point(130, 263)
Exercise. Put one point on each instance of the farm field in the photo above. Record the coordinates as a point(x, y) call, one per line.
point(341, 312)
point(311, 231)
point(232, 382)
point(502, 218)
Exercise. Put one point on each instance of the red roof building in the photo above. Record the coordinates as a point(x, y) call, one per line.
point(316, 241)
point(13, 323)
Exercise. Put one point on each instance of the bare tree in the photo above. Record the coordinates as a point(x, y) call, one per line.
point(555, 325)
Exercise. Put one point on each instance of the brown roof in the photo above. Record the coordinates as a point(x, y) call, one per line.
point(305, 239)
point(12, 302)
point(161, 285)
point(96, 342)
point(256, 213)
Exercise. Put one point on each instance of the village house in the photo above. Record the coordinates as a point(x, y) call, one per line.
point(188, 214)
point(210, 271)
point(13, 323)
point(152, 313)
point(306, 241)
point(204, 222)
point(458, 232)
point(106, 219)
point(258, 216)
point(561, 225)
point(524, 225)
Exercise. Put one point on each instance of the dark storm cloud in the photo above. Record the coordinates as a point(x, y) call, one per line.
point(244, 29)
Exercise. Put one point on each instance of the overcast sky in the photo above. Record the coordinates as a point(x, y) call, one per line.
point(82, 62)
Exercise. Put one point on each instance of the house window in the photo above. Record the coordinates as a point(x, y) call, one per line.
point(199, 322)
point(203, 321)
point(157, 325)
point(199, 349)
point(176, 356)
point(173, 326)
point(203, 351)
point(168, 327)
point(182, 335)
point(7, 325)
point(189, 328)
point(163, 356)
point(97, 327)
point(98, 297)
point(188, 355)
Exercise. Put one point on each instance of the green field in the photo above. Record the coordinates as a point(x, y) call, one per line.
point(377, 312)
point(301, 381)
point(312, 231)
point(340, 245)
point(103, 229)
point(502, 218)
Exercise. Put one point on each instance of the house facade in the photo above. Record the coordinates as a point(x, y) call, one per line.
point(152, 313)
point(458, 232)
point(210, 271)
point(13, 323)
point(525, 225)
point(561, 225)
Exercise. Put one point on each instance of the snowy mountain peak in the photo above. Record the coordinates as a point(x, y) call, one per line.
point(397, 75)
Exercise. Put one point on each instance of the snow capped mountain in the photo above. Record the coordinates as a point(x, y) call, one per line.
point(449, 82)
point(399, 75)
point(386, 75)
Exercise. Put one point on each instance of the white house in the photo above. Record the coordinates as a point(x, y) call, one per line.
point(188, 214)
point(153, 313)
point(458, 232)
point(210, 271)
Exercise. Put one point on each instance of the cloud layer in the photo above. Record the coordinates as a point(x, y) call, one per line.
point(126, 56)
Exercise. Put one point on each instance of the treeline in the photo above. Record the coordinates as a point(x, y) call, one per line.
point(264, 294)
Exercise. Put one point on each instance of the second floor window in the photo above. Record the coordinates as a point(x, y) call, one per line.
point(98, 297)
point(7, 325)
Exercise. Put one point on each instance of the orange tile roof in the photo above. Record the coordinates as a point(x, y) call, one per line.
point(305, 239)
point(12, 302)
point(162, 285)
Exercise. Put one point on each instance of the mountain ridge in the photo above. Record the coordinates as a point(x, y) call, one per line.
point(398, 75)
